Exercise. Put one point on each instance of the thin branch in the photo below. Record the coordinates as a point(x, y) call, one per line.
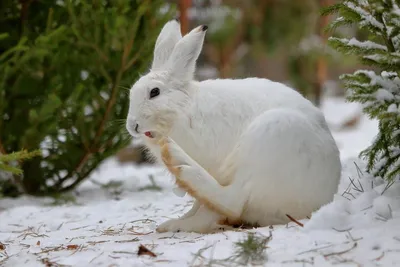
point(134, 58)
point(96, 48)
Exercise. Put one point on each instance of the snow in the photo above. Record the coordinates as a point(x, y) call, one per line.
point(364, 44)
point(366, 18)
point(392, 108)
point(108, 222)
point(383, 94)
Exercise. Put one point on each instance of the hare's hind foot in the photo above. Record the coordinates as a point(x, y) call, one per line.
point(203, 221)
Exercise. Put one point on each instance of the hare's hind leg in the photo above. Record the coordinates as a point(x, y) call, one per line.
point(224, 200)
point(203, 221)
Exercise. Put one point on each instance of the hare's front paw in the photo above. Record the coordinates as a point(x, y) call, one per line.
point(176, 159)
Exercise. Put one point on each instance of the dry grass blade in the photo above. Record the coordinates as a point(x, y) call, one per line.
point(127, 241)
point(340, 252)
point(316, 249)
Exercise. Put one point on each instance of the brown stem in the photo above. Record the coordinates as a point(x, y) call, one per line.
point(24, 13)
point(184, 5)
point(134, 59)
point(321, 64)
point(2, 150)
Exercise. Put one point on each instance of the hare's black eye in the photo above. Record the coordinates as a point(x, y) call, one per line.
point(154, 92)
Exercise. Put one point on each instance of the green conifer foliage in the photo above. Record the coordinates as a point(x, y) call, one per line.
point(377, 88)
point(64, 70)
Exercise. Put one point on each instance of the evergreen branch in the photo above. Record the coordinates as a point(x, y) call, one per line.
point(387, 39)
point(16, 156)
point(364, 16)
point(21, 155)
point(11, 169)
point(93, 147)
point(339, 22)
point(331, 9)
point(100, 129)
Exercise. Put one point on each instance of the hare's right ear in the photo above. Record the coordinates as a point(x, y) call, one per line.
point(166, 41)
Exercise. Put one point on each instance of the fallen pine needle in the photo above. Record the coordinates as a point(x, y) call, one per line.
point(294, 220)
point(380, 257)
point(145, 251)
point(71, 247)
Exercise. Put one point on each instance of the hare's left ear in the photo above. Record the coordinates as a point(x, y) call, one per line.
point(166, 41)
point(181, 64)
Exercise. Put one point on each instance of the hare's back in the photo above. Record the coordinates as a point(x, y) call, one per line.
point(257, 92)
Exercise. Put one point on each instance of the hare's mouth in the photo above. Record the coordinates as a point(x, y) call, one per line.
point(148, 134)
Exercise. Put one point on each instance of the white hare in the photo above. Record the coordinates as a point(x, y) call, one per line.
point(248, 150)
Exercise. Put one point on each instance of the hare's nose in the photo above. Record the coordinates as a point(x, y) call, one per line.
point(137, 128)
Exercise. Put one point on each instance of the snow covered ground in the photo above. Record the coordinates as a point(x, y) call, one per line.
point(107, 223)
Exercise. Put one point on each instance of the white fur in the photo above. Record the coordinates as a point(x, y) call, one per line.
point(253, 149)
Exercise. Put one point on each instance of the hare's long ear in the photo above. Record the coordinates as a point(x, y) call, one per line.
point(166, 41)
point(182, 62)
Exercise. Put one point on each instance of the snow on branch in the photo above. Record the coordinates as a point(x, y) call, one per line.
point(367, 19)
point(364, 44)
